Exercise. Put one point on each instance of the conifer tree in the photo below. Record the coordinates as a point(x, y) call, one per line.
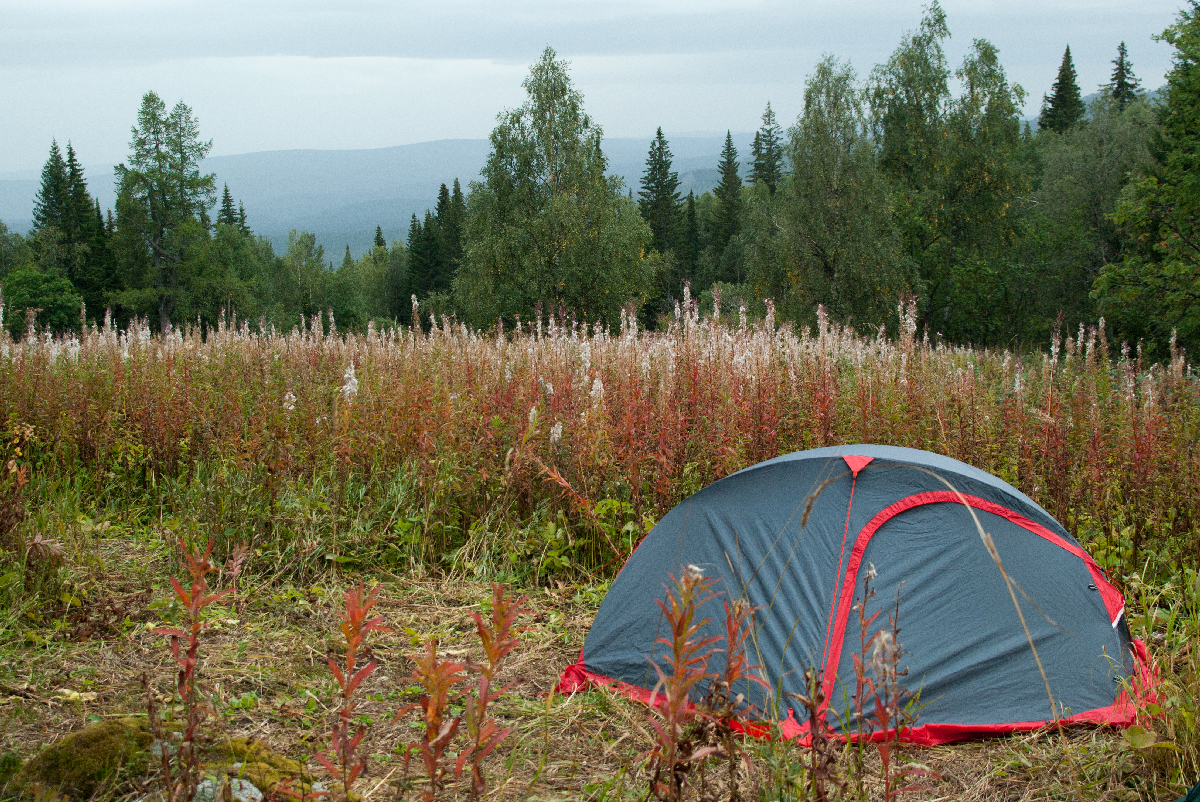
point(439, 269)
point(49, 205)
point(444, 232)
point(227, 215)
point(729, 197)
point(767, 152)
point(442, 209)
point(78, 221)
point(1124, 85)
point(241, 219)
point(1063, 107)
point(162, 206)
point(347, 260)
point(414, 242)
point(424, 259)
point(65, 225)
point(380, 242)
point(691, 245)
point(452, 226)
point(658, 199)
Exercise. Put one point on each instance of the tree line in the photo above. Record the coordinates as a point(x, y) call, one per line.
point(885, 187)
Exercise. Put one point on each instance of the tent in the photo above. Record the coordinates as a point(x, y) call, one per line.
point(795, 536)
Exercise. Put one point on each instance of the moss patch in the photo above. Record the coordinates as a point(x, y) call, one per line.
point(78, 764)
point(254, 761)
point(10, 764)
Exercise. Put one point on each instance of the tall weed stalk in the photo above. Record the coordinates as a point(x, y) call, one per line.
point(180, 784)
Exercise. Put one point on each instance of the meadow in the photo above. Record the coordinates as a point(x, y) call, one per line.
point(430, 460)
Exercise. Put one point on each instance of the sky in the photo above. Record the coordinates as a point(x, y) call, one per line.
point(274, 75)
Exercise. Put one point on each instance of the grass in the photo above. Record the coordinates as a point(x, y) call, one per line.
point(448, 460)
point(267, 678)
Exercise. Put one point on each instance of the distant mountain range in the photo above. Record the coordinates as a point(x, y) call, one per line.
point(342, 195)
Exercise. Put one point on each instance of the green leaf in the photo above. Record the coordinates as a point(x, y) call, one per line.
point(1139, 737)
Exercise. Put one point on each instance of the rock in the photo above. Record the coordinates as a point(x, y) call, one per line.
point(252, 760)
point(240, 790)
point(80, 763)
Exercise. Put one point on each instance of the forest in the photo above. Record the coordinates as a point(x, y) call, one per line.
point(889, 185)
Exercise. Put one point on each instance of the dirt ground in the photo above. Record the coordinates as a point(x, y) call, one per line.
point(264, 668)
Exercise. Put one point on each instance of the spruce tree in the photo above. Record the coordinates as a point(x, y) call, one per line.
point(767, 152)
point(1063, 107)
point(658, 199)
point(1124, 85)
point(380, 242)
point(451, 210)
point(452, 226)
point(101, 278)
point(65, 227)
point(227, 215)
point(50, 203)
point(241, 219)
point(78, 221)
point(442, 209)
point(422, 259)
point(691, 245)
point(347, 260)
point(729, 197)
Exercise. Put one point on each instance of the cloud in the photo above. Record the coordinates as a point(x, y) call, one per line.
point(272, 74)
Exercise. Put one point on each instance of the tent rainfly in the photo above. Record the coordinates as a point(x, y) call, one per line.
point(795, 536)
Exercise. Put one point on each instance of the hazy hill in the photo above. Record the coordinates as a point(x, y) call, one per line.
point(342, 195)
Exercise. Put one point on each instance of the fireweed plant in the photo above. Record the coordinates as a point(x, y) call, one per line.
point(343, 760)
point(497, 636)
point(438, 679)
point(726, 708)
point(678, 745)
point(180, 783)
point(252, 431)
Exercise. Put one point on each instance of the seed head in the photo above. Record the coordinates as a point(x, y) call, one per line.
point(349, 384)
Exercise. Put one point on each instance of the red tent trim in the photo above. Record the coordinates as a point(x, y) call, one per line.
point(1123, 712)
point(856, 462)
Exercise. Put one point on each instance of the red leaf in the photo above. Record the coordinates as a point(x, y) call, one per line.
point(362, 674)
point(337, 674)
point(180, 592)
point(463, 756)
point(327, 763)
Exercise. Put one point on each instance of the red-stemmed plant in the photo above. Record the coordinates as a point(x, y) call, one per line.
point(821, 750)
point(498, 637)
point(723, 704)
point(193, 600)
point(881, 708)
point(437, 678)
point(343, 760)
point(676, 742)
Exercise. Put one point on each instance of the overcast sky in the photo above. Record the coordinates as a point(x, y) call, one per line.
point(270, 75)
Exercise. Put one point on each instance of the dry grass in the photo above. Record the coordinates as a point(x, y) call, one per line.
point(563, 748)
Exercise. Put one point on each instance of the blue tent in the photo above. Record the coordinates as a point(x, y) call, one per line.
point(795, 536)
